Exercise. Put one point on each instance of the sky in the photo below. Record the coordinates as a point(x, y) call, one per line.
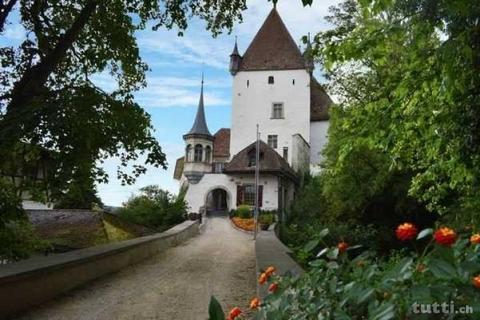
point(173, 83)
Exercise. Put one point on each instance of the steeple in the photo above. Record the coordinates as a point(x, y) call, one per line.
point(235, 59)
point(200, 124)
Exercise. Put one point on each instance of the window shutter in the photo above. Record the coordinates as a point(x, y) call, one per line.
point(239, 195)
point(260, 196)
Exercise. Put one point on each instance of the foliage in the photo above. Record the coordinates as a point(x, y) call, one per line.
point(406, 73)
point(17, 237)
point(244, 211)
point(338, 287)
point(267, 217)
point(154, 208)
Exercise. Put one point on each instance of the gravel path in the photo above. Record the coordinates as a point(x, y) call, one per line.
point(175, 285)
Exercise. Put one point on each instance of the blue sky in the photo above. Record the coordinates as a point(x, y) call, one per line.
point(176, 64)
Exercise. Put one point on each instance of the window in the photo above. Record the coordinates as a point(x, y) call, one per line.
point(208, 153)
point(249, 195)
point(285, 153)
point(198, 153)
point(246, 195)
point(271, 80)
point(277, 111)
point(248, 83)
point(188, 153)
point(273, 141)
point(252, 158)
point(293, 81)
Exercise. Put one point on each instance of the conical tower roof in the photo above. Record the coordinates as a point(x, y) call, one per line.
point(273, 48)
point(200, 124)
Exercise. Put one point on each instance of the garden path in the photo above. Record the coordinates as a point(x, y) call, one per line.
point(174, 285)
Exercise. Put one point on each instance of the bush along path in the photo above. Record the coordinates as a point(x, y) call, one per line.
point(439, 280)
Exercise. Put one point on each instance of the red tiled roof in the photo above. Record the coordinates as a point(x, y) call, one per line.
point(221, 143)
point(273, 48)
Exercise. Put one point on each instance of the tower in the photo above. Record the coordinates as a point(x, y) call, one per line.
point(271, 88)
point(198, 146)
point(235, 60)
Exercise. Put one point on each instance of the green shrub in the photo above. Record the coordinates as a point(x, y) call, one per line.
point(154, 208)
point(244, 211)
point(17, 237)
point(267, 217)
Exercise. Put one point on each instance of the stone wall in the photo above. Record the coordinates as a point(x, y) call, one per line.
point(34, 281)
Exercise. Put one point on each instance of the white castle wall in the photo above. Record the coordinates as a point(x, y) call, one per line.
point(318, 139)
point(197, 193)
point(252, 104)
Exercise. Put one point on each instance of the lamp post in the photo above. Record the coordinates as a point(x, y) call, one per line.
point(257, 176)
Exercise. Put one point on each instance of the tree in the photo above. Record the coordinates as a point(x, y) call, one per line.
point(47, 98)
point(154, 208)
point(407, 74)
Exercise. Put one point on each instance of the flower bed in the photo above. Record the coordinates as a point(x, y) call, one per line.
point(442, 275)
point(244, 224)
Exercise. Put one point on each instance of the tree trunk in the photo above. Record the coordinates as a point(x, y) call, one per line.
point(35, 78)
point(4, 12)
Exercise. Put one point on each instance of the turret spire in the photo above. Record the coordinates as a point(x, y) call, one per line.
point(200, 124)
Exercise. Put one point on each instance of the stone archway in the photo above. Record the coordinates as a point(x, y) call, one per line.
point(217, 201)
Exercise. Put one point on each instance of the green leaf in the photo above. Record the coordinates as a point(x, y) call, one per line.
point(323, 233)
point(425, 233)
point(441, 269)
point(322, 252)
point(385, 311)
point(312, 244)
point(215, 310)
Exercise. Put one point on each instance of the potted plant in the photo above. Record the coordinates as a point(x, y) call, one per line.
point(265, 220)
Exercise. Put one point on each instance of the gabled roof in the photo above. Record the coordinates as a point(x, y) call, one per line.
point(200, 124)
point(221, 143)
point(273, 48)
point(319, 101)
point(270, 162)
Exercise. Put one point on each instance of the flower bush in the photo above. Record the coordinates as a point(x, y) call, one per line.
point(445, 269)
point(245, 224)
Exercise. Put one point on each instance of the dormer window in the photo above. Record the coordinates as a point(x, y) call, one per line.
point(271, 80)
point(252, 158)
point(277, 110)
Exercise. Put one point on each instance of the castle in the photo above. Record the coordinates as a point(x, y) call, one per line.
point(273, 87)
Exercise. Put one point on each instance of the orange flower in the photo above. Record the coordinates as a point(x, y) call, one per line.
point(421, 267)
point(270, 270)
point(475, 239)
point(273, 287)
point(476, 281)
point(445, 236)
point(406, 231)
point(235, 312)
point(255, 303)
point(342, 247)
point(263, 278)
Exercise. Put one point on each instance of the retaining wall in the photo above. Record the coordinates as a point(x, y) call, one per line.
point(270, 251)
point(31, 282)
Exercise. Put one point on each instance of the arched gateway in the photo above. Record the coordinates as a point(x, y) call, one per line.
point(217, 201)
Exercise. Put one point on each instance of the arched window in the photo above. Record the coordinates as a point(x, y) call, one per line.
point(188, 153)
point(198, 153)
point(208, 153)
